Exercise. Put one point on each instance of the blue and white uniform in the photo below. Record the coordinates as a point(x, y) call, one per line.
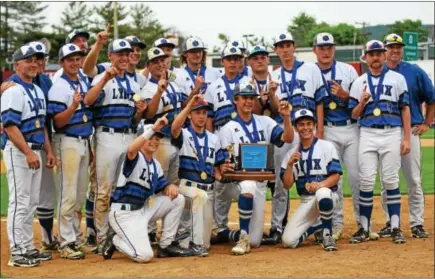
point(23, 106)
point(380, 139)
point(71, 147)
point(135, 76)
point(136, 201)
point(421, 91)
point(186, 77)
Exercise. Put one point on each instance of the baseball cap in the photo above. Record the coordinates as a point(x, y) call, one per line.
point(238, 44)
point(193, 43)
point(393, 39)
point(70, 49)
point(201, 106)
point(374, 45)
point(25, 52)
point(284, 37)
point(230, 51)
point(119, 45)
point(39, 47)
point(302, 113)
point(245, 88)
point(154, 53)
point(257, 49)
point(135, 41)
point(163, 42)
point(323, 39)
point(70, 37)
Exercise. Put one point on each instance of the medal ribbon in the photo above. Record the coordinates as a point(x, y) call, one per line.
point(289, 89)
point(309, 159)
point(202, 157)
point(376, 94)
point(73, 87)
point(152, 178)
point(193, 74)
point(29, 88)
point(172, 96)
point(254, 139)
point(84, 78)
point(325, 82)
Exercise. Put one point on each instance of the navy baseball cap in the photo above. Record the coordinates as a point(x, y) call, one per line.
point(25, 52)
point(70, 49)
point(74, 34)
point(163, 42)
point(323, 39)
point(202, 106)
point(374, 45)
point(393, 39)
point(135, 41)
point(258, 49)
point(304, 113)
point(245, 89)
point(119, 45)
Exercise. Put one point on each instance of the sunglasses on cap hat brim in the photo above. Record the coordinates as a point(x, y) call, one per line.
point(141, 45)
point(168, 45)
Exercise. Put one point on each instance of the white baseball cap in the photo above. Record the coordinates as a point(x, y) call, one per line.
point(39, 47)
point(257, 49)
point(163, 42)
point(231, 51)
point(75, 33)
point(193, 43)
point(374, 45)
point(245, 88)
point(304, 113)
point(135, 41)
point(154, 53)
point(70, 49)
point(238, 44)
point(119, 45)
point(284, 37)
point(25, 52)
point(393, 39)
point(323, 39)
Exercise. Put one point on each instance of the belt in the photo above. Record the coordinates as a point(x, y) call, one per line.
point(118, 130)
point(35, 146)
point(77, 137)
point(126, 206)
point(205, 187)
point(339, 123)
point(382, 126)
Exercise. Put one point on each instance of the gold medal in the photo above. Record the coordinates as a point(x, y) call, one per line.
point(203, 175)
point(332, 105)
point(266, 112)
point(290, 107)
point(37, 123)
point(306, 185)
point(377, 112)
point(233, 115)
point(136, 97)
point(85, 118)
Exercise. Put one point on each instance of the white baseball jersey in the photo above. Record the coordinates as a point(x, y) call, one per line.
point(316, 164)
point(216, 97)
point(307, 86)
point(344, 74)
point(136, 77)
point(170, 102)
point(247, 72)
point(394, 95)
point(191, 165)
point(186, 78)
point(114, 106)
point(268, 131)
point(26, 110)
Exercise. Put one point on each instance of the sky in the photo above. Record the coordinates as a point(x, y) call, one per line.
point(207, 19)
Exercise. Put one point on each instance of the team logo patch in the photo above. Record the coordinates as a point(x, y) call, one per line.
point(233, 50)
point(303, 112)
point(164, 41)
point(325, 38)
point(282, 36)
point(122, 43)
point(195, 43)
point(72, 47)
point(257, 48)
point(249, 87)
point(38, 47)
point(135, 39)
point(156, 51)
point(235, 44)
point(375, 45)
point(26, 50)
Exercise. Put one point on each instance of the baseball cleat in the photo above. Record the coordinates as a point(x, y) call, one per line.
point(419, 232)
point(173, 250)
point(318, 236)
point(337, 233)
point(50, 247)
point(70, 252)
point(152, 236)
point(41, 256)
point(397, 236)
point(181, 236)
point(385, 231)
point(360, 236)
point(91, 241)
point(274, 237)
point(109, 248)
point(198, 250)
point(329, 244)
point(22, 261)
point(242, 247)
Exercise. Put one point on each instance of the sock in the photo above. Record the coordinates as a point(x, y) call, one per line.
point(365, 209)
point(45, 217)
point(393, 204)
point(245, 212)
point(234, 235)
point(309, 232)
point(224, 235)
point(90, 225)
point(285, 220)
point(326, 206)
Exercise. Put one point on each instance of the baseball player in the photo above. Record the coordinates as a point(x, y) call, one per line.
point(200, 154)
point(420, 91)
point(116, 115)
point(247, 127)
point(314, 167)
point(168, 47)
point(143, 194)
point(379, 98)
point(194, 56)
point(23, 112)
point(73, 126)
point(301, 85)
point(339, 127)
point(47, 196)
point(244, 70)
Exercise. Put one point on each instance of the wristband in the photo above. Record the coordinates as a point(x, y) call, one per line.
point(148, 131)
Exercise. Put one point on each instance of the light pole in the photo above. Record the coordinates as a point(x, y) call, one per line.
point(246, 36)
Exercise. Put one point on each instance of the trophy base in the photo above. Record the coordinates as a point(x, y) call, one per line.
point(249, 175)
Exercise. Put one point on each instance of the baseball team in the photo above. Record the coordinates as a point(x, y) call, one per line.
point(144, 151)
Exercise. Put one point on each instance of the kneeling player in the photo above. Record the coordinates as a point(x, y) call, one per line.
point(315, 168)
point(134, 203)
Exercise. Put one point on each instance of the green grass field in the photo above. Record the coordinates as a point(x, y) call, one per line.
point(427, 181)
point(429, 134)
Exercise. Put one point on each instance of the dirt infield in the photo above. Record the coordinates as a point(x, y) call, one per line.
point(372, 259)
